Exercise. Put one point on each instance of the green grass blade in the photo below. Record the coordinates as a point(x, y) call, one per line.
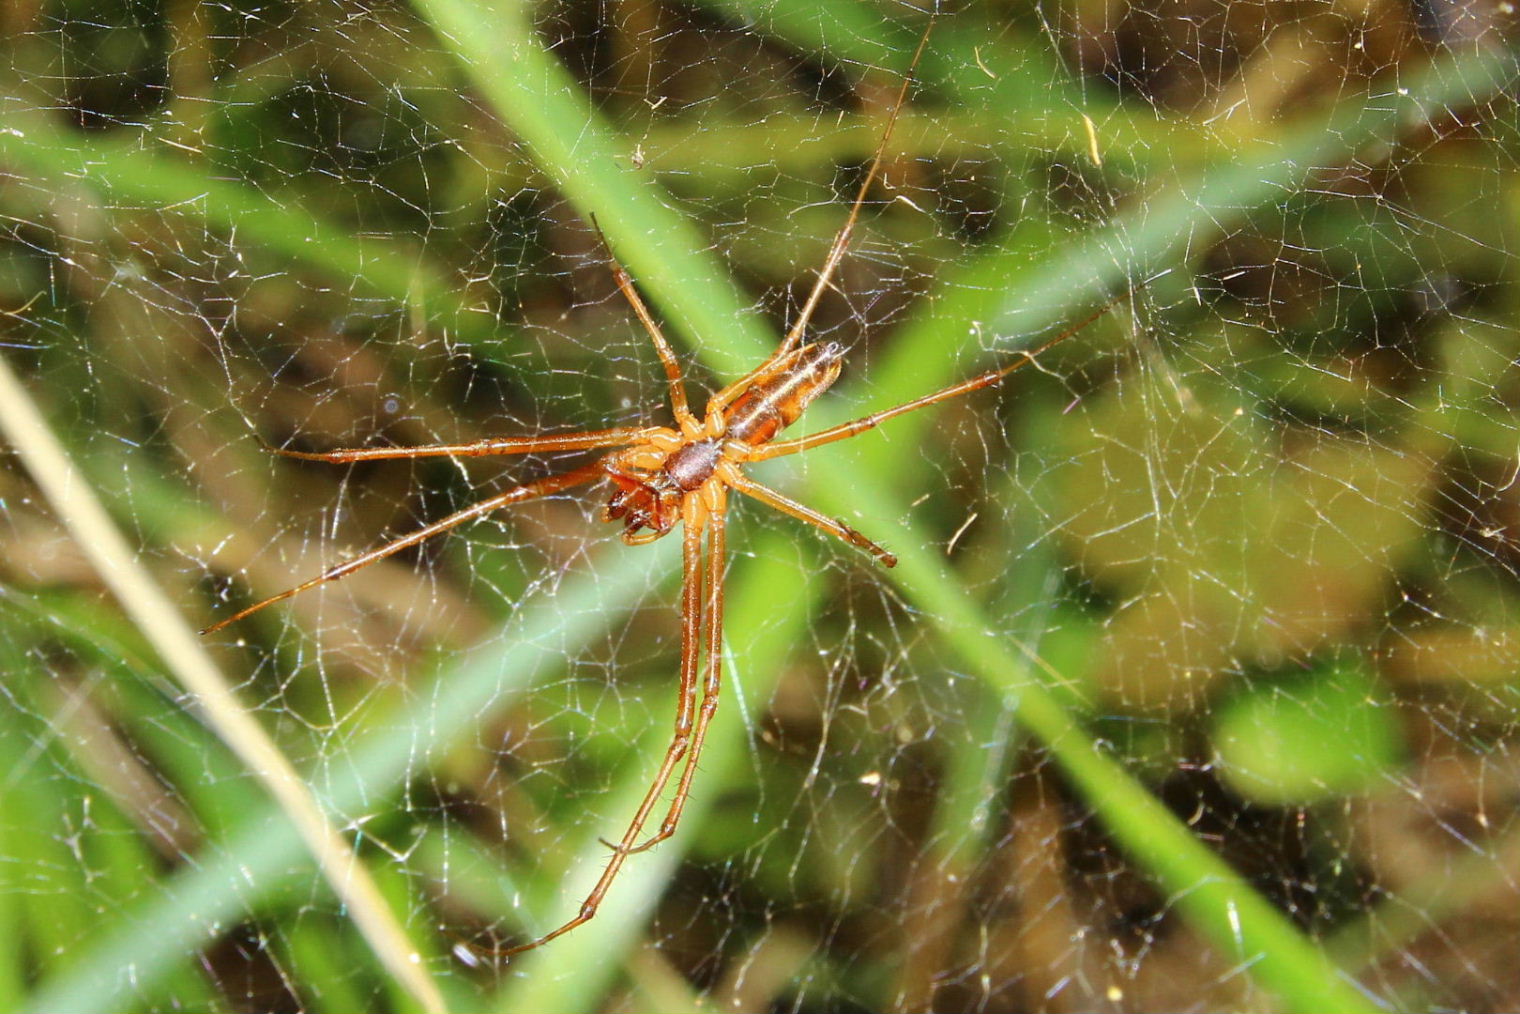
point(761, 628)
point(1204, 888)
point(266, 853)
point(545, 107)
point(646, 232)
point(125, 174)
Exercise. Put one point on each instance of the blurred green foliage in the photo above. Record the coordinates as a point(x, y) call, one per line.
point(1198, 669)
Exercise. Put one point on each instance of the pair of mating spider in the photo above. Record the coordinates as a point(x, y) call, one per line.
point(663, 477)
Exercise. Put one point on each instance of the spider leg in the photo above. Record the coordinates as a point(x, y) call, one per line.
point(850, 429)
point(802, 512)
point(841, 241)
point(527, 491)
point(856, 426)
point(694, 520)
point(668, 360)
point(716, 560)
point(480, 448)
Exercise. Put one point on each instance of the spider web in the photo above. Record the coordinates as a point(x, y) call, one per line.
point(1194, 690)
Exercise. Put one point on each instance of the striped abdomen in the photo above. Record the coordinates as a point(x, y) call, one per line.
point(776, 401)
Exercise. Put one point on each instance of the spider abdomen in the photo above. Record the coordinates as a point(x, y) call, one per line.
point(776, 401)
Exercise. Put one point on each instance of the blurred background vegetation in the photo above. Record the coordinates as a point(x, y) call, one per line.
point(1195, 690)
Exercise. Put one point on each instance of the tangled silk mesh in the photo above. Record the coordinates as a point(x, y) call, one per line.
point(1255, 527)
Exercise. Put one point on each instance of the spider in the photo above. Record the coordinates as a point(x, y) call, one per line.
point(663, 477)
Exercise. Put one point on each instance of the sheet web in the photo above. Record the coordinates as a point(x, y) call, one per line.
point(1249, 535)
